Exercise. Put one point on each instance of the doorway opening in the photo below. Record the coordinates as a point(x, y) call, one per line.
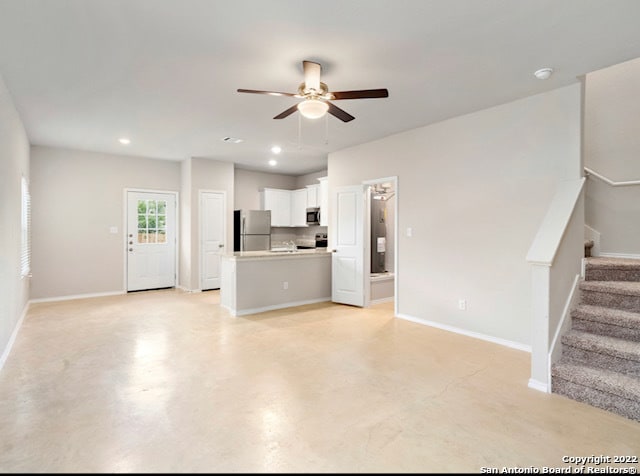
point(381, 244)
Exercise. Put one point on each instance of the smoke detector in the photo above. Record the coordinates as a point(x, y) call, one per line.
point(544, 73)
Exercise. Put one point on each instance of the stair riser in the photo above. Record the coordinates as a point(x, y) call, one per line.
point(602, 361)
point(603, 329)
point(606, 401)
point(596, 274)
point(616, 301)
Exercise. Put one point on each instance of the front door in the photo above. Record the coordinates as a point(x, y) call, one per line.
point(212, 238)
point(151, 240)
point(347, 265)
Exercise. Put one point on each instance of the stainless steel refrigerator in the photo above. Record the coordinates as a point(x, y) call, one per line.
point(251, 230)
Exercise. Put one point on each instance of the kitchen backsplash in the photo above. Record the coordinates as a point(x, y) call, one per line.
point(303, 236)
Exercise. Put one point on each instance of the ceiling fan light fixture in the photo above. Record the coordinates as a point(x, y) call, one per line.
point(313, 108)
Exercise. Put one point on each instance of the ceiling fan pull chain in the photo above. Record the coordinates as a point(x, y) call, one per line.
point(326, 129)
point(299, 131)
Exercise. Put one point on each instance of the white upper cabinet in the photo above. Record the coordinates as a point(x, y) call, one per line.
point(299, 207)
point(323, 200)
point(288, 207)
point(279, 202)
point(313, 195)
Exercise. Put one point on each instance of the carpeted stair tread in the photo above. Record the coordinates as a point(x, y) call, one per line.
point(600, 362)
point(611, 346)
point(606, 321)
point(612, 263)
point(612, 269)
point(604, 380)
point(627, 288)
point(607, 315)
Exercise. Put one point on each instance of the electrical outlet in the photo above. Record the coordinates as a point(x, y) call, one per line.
point(409, 232)
point(285, 284)
point(462, 304)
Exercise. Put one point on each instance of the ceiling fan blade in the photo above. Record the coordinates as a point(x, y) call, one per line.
point(311, 75)
point(287, 112)
point(271, 93)
point(339, 113)
point(365, 93)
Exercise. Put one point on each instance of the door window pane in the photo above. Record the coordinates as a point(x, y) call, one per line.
point(152, 221)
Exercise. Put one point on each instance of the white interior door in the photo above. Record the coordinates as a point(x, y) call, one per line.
point(151, 240)
point(347, 265)
point(212, 238)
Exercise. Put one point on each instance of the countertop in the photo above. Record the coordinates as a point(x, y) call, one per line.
point(266, 254)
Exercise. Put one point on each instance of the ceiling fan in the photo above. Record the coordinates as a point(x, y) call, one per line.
point(316, 96)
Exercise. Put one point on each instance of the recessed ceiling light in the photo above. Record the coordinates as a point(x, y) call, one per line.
point(124, 141)
point(233, 140)
point(544, 73)
point(276, 149)
point(273, 162)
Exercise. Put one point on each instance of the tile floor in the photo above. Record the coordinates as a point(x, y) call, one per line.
point(167, 381)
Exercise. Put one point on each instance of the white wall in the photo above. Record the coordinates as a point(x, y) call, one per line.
point(612, 109)
point(474, 190)
point(612, 148)
point(309, 179)
point(185, 225)
point(615, 213)
point(249, 183)
point(211, 175)
point(76, 197)
point(14, 164)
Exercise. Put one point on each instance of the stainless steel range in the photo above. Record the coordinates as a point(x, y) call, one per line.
point(321, 240)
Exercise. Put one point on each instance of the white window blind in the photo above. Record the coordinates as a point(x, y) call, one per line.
point(25, 255)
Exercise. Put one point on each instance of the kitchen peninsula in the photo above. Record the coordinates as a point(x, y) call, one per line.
point(258, 281)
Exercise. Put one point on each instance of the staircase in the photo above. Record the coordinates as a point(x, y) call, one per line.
point(600, 362)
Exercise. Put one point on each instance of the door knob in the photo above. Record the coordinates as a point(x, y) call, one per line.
point(220, 246)
point(130, 249)
point(130, 235)
point(131, 242)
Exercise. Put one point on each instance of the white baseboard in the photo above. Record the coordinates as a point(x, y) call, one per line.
point(77, 296)
point(619, 255)
point(476, 335)
point(257, 310)
point(381, 300)
point(537, 385)
point(14, 334)
point(187, 290)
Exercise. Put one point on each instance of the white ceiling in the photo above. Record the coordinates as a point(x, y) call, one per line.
point(165, 73)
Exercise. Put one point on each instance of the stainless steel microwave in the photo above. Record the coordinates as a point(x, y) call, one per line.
point(313, 216)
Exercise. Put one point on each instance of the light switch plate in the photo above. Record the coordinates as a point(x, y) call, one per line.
point(113, 230)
